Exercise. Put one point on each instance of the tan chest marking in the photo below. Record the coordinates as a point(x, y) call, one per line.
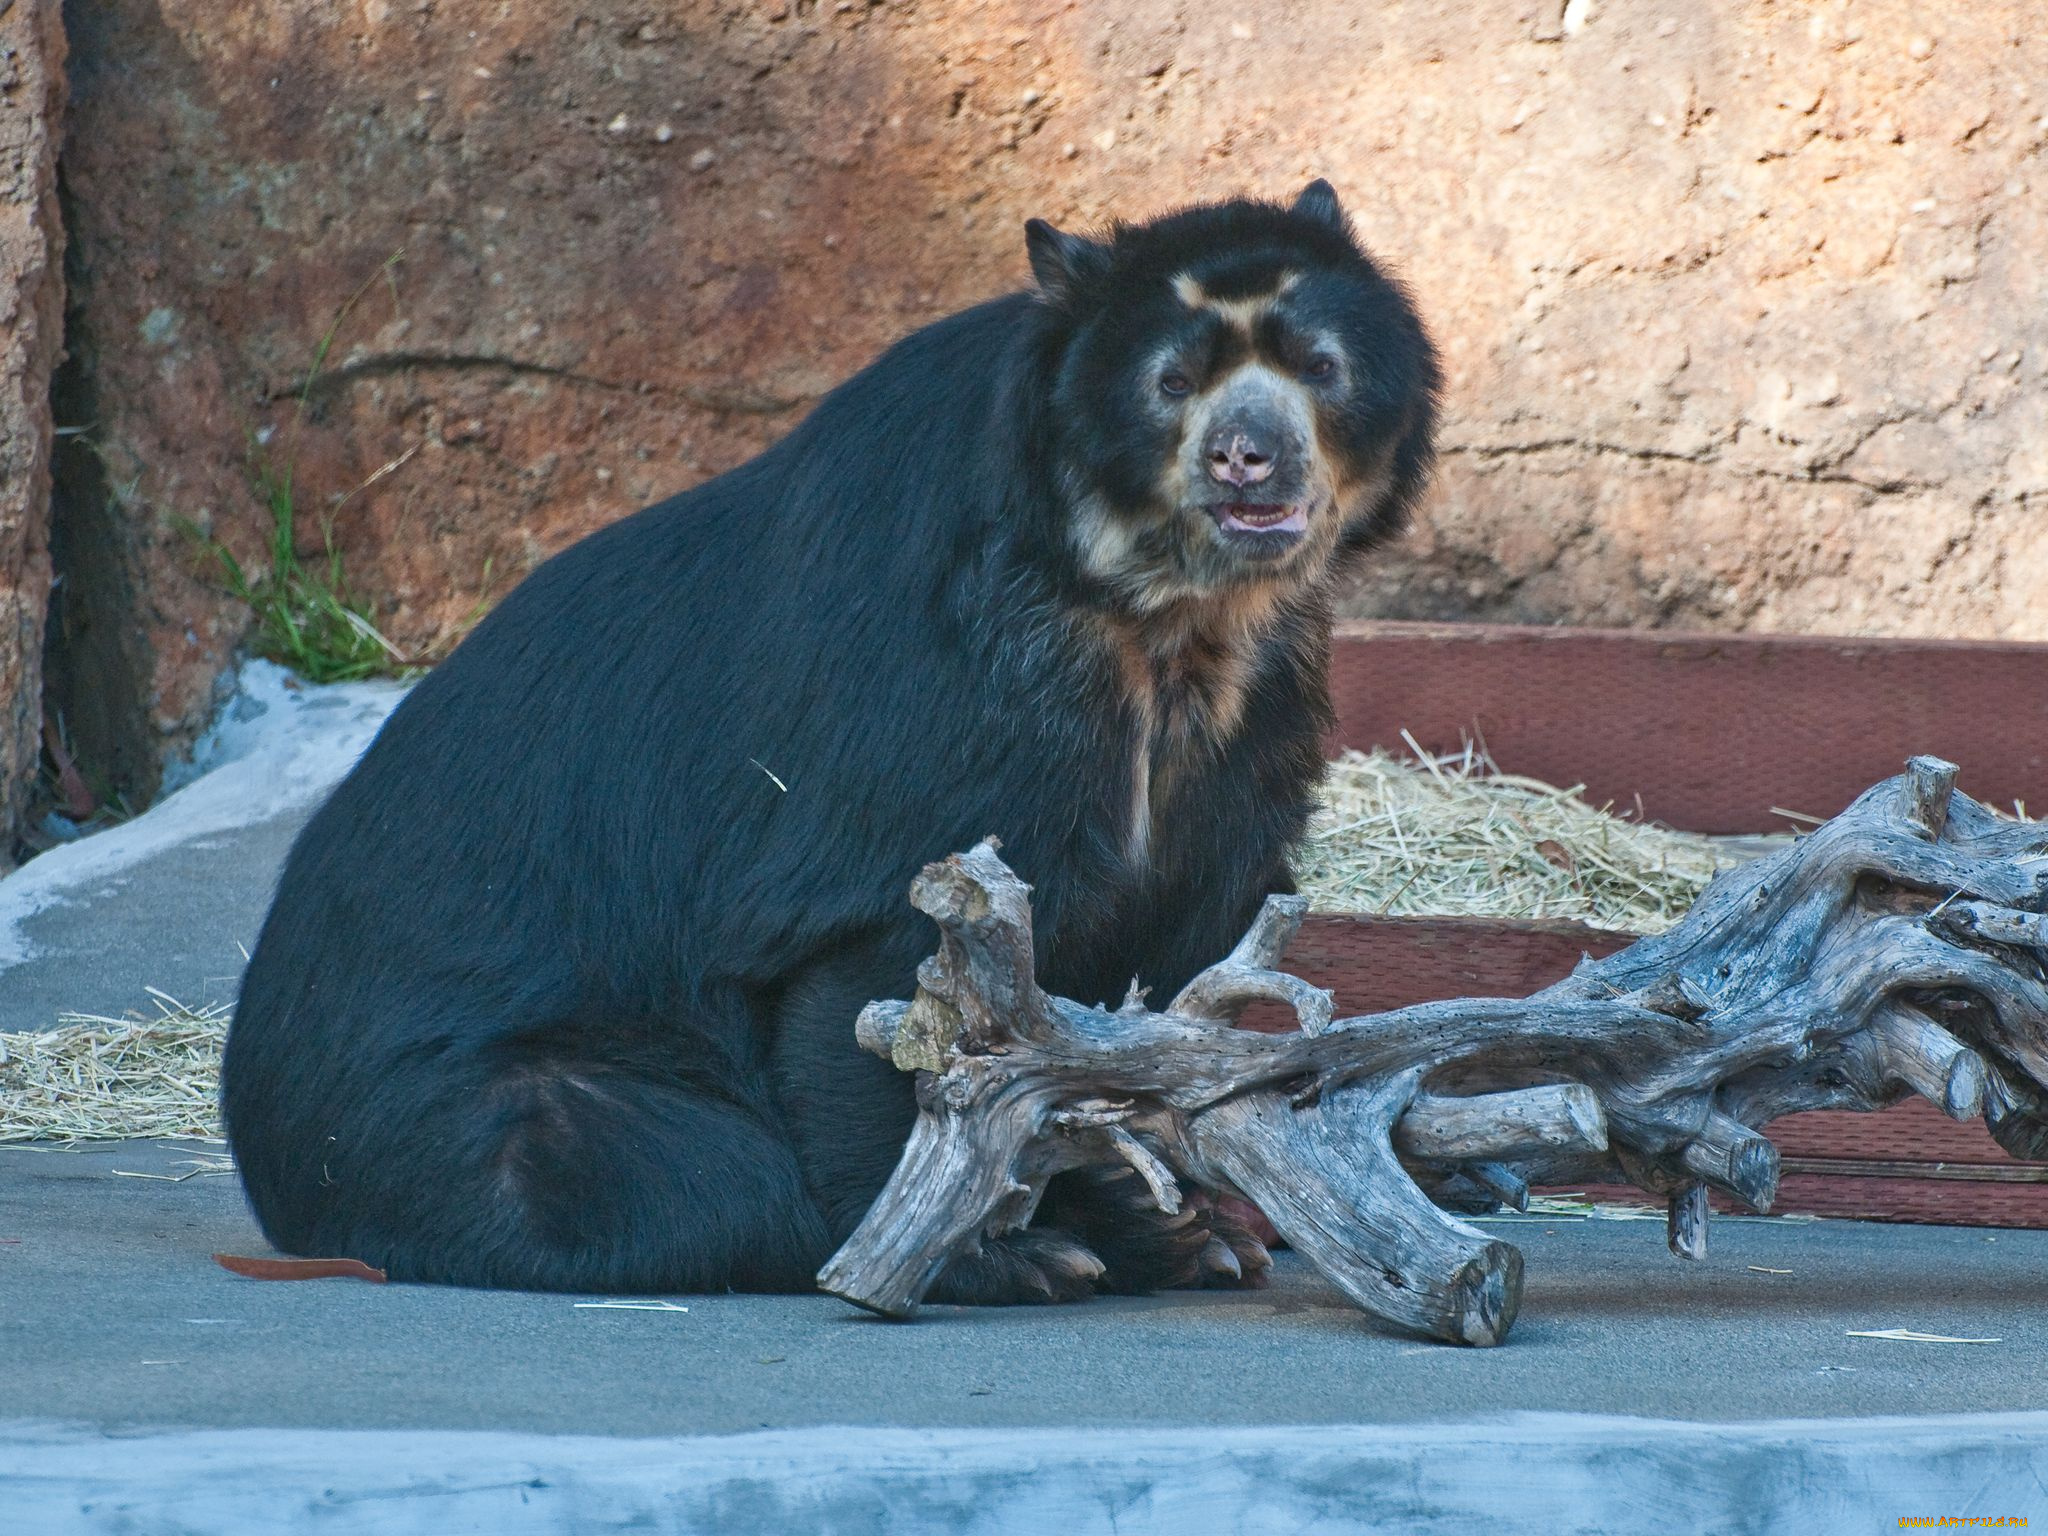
point(1185, 686)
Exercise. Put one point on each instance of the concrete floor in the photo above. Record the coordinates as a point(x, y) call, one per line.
point(117, 1316)
point(155, 1391)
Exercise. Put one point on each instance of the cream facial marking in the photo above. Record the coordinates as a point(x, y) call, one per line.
point(1243, 312)
point(1105, 542)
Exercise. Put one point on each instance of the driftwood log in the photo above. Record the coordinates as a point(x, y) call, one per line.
point(1897, 949)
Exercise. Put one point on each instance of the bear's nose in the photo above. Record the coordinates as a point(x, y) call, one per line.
point(1238, 457)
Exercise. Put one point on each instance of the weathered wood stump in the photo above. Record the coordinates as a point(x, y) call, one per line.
point(1897, 949)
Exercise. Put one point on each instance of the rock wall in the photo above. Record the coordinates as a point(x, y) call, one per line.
point(31, 336)
point(1743, 305)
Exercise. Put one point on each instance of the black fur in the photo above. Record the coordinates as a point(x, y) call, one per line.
point(558, 988)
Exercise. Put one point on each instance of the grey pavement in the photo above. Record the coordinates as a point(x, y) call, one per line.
point(117, 1314)
point(173, 899)
point(143, 1389)
point(1636, 1393)
point(181, 921)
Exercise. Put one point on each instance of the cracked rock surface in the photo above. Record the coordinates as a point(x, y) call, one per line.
point(1742, 305)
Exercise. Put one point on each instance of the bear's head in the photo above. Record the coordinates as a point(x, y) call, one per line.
point(1240, 397)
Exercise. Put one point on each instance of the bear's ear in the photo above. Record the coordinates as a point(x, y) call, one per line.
point(1062, 263)
point(1318, 201)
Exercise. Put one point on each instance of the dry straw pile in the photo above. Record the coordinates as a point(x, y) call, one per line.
point(1447, 836)
point(96, 1079)
point(1455, 837)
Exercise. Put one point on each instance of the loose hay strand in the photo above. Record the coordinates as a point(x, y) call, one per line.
point(98, 1079)
point(1453, 836)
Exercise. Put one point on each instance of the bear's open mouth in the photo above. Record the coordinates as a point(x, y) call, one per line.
point(1263, 517)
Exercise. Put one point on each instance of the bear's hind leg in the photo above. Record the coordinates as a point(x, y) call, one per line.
point(1033, 1266)
point(849, 1114)
point(1144, 1249)
point(572, 1176)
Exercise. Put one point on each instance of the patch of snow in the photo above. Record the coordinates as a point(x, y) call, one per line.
point(277, 746)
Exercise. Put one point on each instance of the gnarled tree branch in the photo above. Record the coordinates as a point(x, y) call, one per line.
point(1898, 949)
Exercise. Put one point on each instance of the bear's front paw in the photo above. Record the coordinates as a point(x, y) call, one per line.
point(1033, 1266)
point(1203, 1244)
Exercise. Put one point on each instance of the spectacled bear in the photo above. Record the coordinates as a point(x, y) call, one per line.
point(558, 988)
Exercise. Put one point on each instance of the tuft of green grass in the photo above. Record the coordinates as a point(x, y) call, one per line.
point(305, 615)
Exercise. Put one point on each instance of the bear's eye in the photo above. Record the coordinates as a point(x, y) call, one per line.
point(1322, 367)
point(1174, 384)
